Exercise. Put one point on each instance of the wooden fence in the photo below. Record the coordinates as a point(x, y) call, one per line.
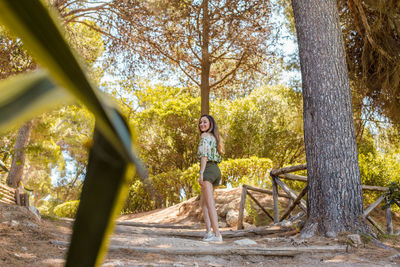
point(296, 199)
point(7, 194)
point(13, 196)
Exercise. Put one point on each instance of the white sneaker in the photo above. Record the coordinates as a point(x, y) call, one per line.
point(208, 235)
point(214, 238)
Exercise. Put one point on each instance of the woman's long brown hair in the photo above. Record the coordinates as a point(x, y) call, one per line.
point(215, 132)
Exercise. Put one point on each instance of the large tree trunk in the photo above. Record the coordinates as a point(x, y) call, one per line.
point(334, 185)
point(205, 61)
point(18, 162)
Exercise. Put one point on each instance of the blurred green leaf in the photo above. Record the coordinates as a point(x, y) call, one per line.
point(31, 95)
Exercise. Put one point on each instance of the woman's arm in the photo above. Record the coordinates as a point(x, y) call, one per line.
point(203, 163)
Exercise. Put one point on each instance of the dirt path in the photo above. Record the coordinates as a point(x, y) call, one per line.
point(173, 250)
point(27, 241)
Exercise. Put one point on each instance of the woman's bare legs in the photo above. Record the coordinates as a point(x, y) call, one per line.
point(207, 192)
point(205, 213)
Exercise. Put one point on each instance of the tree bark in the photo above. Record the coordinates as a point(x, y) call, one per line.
point(334, 202)
point(18, 162)
point(205, 61)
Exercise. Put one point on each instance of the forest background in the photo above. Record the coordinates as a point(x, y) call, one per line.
point(258, 109)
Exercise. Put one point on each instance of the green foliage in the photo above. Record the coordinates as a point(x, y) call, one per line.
point(238, 41)
point(370, 31)
point(389, 139)
point(168, 127)
point(59, 138)
point(254, 217)
point(251, 171)
point(267, 123)
point(366, 238)
point(67, 209)
point(138, 199)
point(13, 58)
point(379, 158)
point(166, 184)
point(367, 143)
point(379, 169)
point(392, 195)
point(86, 40)
point(46, 206)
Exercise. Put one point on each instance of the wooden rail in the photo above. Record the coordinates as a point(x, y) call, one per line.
point(296, 199)
point(13, 196)
point(7, 194)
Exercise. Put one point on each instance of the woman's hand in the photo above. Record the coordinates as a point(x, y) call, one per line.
point(201, 179)
point(203, 163)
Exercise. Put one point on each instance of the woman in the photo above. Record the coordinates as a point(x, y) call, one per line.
point(209, 154)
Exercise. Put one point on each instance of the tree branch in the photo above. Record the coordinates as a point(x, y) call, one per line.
point(229, 73)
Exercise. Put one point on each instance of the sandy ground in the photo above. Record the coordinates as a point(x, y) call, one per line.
point(27, 241)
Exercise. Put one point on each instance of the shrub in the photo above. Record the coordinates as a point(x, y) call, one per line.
point(378, 169)
point(67, 209)
point(251, 171)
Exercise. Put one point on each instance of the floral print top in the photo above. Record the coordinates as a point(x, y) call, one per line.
point(208, 148)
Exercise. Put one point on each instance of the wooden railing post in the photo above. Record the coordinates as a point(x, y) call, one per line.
point(17, 197)
point(290, 212)
point(24, 199)
point(276, 200)
point(241, 207)
point(388, 212)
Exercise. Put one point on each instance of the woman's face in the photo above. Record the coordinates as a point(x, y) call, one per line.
point(204, 124)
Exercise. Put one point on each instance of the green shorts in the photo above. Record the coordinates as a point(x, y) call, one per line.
point(212, 173)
